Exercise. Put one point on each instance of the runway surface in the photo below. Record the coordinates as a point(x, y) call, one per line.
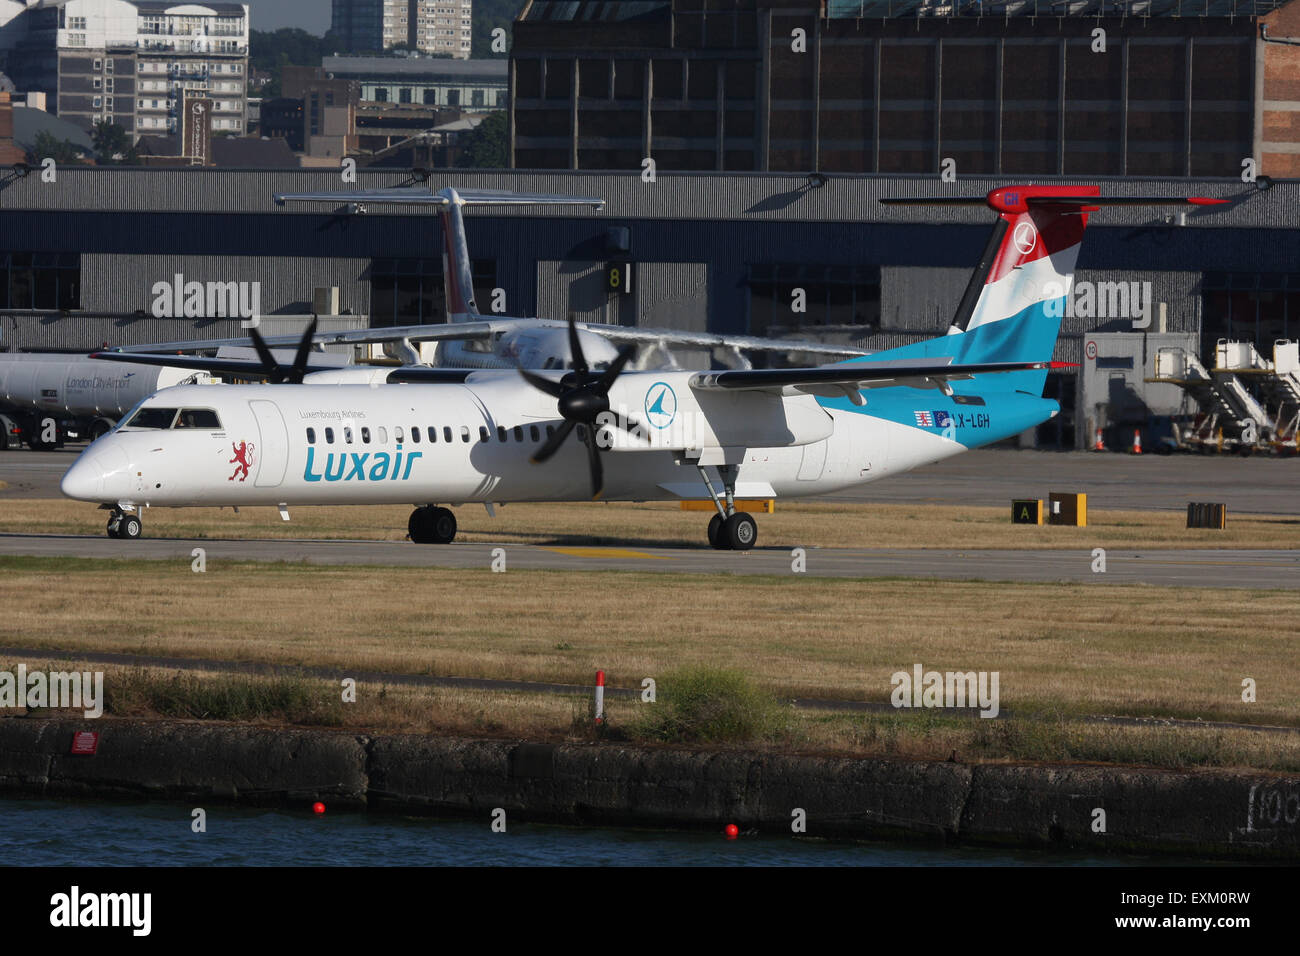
point(1183, 567)
point(1255, 485)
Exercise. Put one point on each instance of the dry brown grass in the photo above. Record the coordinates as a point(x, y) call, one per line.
point(1083, 648)
point(826, 524)
point(928, 736)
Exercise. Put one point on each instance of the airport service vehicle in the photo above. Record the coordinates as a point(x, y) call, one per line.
point(46, 398)
point(435, 436)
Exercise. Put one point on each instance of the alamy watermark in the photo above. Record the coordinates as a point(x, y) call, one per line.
point(126, 910)
point(176, 298)
point(81, 690)
point(962, 689)
point(1100, 300)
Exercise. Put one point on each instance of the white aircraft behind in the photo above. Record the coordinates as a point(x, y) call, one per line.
point(425, 438)
point(470, 340)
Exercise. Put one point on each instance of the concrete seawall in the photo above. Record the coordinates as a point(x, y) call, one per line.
point(1221, 813)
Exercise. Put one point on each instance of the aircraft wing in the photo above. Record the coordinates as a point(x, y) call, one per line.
point(487, 328)
point(245, 368)
point(413, 333)
point(848, 379)
point(641, 336)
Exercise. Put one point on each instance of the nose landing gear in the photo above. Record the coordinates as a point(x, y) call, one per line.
point(729, 529)
point(430, 525)
point(123, 525)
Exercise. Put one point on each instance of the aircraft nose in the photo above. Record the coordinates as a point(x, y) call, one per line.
point(85, 480)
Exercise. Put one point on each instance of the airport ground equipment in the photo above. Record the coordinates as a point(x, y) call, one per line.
point(1203, 514)
point(1230, 416)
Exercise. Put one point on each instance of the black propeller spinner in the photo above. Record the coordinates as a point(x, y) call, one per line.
point(276, 373)
point(581, 396)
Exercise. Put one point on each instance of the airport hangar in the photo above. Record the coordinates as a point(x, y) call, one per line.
point(79, 259)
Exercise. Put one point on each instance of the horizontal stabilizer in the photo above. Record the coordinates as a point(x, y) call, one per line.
point(853, 376)
point(421, 196)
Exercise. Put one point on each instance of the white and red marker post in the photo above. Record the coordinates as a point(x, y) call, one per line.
point(600, 697)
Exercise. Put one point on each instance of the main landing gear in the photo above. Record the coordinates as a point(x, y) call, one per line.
point(729, 529)
point(124, 525)
point(430, 525)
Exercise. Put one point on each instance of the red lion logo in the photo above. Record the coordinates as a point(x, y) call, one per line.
point(242, 461)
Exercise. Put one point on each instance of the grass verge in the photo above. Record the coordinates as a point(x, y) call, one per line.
point(1088, 648)
point(698, 707)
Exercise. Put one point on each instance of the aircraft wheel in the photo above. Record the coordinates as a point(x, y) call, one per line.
point(740, 531)
point(716, 538)
point(113, 524)
point(432, 526)
point(129, 528)
point(443, 524)
point(418, 527)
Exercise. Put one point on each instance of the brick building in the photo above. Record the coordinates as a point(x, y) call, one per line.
point(1089, 87)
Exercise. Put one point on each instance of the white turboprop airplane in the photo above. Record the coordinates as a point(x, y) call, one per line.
point(432, 436)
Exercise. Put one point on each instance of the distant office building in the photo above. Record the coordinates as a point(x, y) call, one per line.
point(132, 62)
point(328, 118)
point(427, 26)
point(10, 153)
point(461, 84)
point(1016, 87)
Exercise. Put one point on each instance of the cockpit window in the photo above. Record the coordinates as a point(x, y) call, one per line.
point(151, 416)
point(204, 418)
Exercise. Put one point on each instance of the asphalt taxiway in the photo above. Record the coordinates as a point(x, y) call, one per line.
point(1257, 485)
point(1181, 567)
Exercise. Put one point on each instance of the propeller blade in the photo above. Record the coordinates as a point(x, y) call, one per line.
point(554, 389)
point(593, 459)
point(575, 347)
point(304, 348)
point(272, 368)
point(552, 444)
point(615, 368)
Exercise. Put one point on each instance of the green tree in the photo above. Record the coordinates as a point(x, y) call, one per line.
point(271, 51)
point(488, 15)
point(113, 147)
point(48, 146)
point(487, 146)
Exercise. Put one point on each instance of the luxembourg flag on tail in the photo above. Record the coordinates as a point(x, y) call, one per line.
point(1012, 307)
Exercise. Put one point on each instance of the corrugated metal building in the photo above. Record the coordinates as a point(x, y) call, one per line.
point(81, 257)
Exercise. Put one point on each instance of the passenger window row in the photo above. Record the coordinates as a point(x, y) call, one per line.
point(347, 434)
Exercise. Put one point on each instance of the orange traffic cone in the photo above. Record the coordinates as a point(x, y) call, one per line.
point(1100, 444)
point(1137, 441)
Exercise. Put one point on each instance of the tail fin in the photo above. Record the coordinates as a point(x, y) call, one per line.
point(458, 276)
point(1012, 307)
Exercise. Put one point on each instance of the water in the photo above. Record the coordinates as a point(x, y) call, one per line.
point(59, 833)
